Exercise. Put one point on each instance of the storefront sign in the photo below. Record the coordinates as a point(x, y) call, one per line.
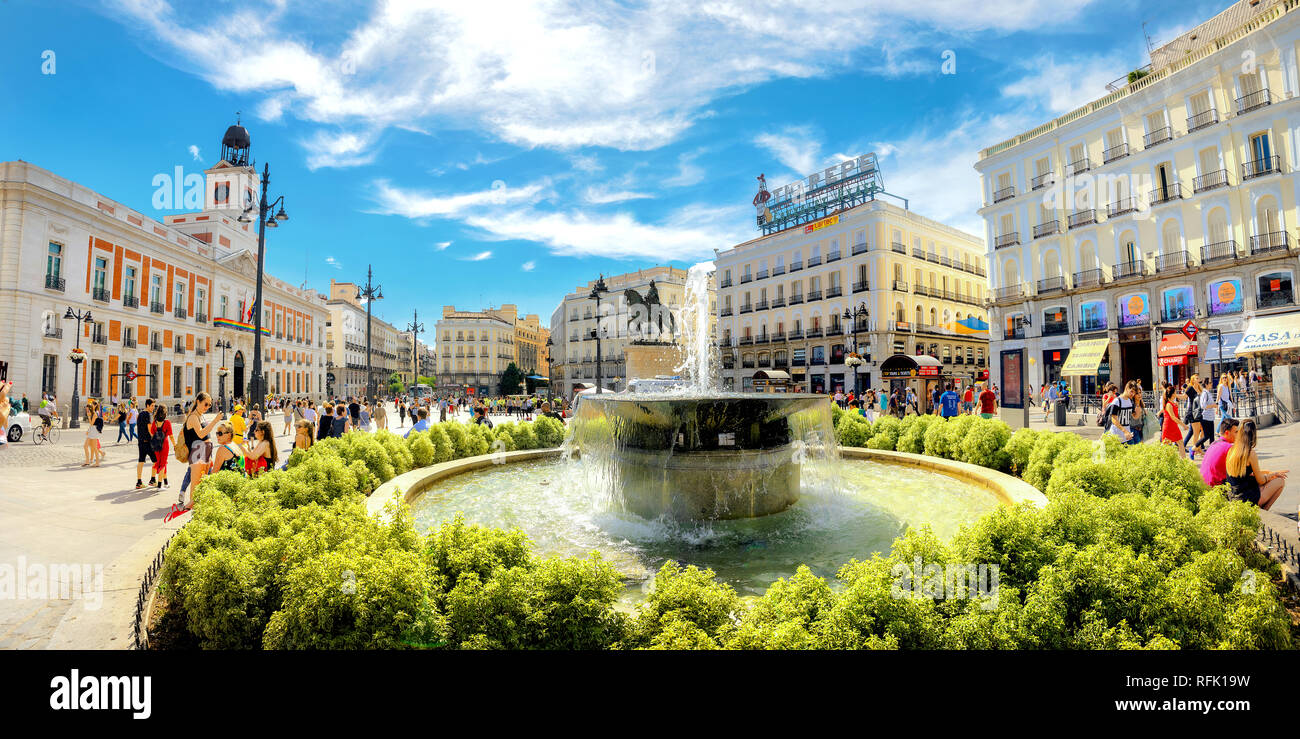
point(1175, 347)
point(1226, 296)
point(1271, 333)
point(819, 225)
point(1134, 310)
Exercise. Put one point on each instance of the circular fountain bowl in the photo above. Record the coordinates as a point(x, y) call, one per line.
point(701, 457)
point(874, 498)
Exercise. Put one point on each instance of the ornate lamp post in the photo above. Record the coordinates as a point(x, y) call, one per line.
point(222, 371)
point(76, 356)
point(595, 332)
point(257, 394)
point(855, 359)
point(371, 294)
point(415, 327)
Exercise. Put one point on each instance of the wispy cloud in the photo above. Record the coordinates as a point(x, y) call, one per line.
point(194, 152)
point(442, 245)
point(601, 194)
point(796, 147)
point(331, 261)
point(688, 172)
point(528, 266)
point(399, 201)
point(524, 74)
point(1059, 87)
point(478, 257)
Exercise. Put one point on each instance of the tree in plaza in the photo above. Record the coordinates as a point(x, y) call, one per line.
point(425, 380)
point(394, 383)
point(511, 380)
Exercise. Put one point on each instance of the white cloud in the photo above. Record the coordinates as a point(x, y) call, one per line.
point(523, 70)
point(688, 172)
point(601, 195)
point(442, 245)
point(1056, 88)
point(795, 147)
point(331, 261)
point(339, 149)
point(689, 233)
point(398, 201)
point(478, 257)
point(528, 266)
point(194, 152)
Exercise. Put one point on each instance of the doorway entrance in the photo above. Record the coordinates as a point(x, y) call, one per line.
point(237, 375)
point(1135, 362)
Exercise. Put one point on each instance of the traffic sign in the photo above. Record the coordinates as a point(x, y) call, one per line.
point(130, 375)
point(1189, 330)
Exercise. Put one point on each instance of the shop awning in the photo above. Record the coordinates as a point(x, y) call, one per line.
point(1230, 342)
point(1085, 357)
point(772, 375)
point(903, 366)
point(1271, 333)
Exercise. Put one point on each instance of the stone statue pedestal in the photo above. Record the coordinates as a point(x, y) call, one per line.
point(646, 360)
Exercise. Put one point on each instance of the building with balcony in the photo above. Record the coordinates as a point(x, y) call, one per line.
point(1187, 210)
point(162, 290)
point(474, 348)
point(920, 282)
point(575, 319)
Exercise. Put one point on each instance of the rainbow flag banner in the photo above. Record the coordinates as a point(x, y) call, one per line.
point(239, 325)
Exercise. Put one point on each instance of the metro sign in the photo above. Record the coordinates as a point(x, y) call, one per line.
point(1189, 330)
point(131, 375)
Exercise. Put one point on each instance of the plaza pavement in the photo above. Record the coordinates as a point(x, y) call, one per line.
point(55, 512)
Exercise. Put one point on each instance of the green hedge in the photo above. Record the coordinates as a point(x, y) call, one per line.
point(1132, 551)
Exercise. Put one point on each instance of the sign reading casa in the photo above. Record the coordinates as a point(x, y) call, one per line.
point(1271, 333)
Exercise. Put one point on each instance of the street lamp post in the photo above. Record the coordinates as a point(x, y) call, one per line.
point(372, 293)
point(595, 332)
point(855, 316)
point(77, 356)
point(415, 327)
point(257, 394)
point(550, 371)
point(222, 371)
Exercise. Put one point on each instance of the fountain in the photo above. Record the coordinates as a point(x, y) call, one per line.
point(696, 453)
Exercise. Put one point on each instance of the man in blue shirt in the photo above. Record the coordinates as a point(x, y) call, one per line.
point(949, 403)
point(420, 425)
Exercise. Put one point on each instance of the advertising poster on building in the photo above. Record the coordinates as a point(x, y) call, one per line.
point(1179, 303)
point(1226, 296)
point(1092, 315)
point(1013, 383)
point(1134, 310)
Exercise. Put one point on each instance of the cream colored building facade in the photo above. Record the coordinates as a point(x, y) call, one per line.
point(781, 298)
point(1172, 199)
point(474, 348)
point(573, 350)
point(162, 291)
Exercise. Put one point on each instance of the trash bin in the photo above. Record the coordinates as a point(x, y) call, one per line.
point(1058, 409)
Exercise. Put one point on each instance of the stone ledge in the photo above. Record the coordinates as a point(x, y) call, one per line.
point(1008, 489)
point(411, 484)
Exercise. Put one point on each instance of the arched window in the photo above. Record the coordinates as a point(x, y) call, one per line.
point(1051, 264)
point(1266, 219)
point(1171, 240)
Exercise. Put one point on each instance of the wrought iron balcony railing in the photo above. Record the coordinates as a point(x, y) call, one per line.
point(1251, 101)
point(1203, 119)
point(1261, 167)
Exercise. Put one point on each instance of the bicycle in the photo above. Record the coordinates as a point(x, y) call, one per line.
point(48, 432)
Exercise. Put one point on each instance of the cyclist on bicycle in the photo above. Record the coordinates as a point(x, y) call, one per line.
point(47, 413)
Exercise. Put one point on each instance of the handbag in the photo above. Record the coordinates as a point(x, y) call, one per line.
point(1150, 426)
point(180, 448)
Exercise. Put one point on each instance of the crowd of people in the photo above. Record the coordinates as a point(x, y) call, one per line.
point(947, 400)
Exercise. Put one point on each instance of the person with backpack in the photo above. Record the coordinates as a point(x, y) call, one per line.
point(1122, 417)
point(160, 434)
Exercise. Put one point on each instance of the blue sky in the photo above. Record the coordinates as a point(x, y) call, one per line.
point(495, 152)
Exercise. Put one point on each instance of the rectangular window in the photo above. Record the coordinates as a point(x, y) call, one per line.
point(96, 377)
point(176, 382)
point(101, 274)
point(129, 287)
point(180, 295)
point(54, 260)
point(49, 372)
point(153, 381)
point(155, 289)
point(1260, 150)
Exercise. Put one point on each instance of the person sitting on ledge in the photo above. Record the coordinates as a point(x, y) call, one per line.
point(1246, 479)
point(1213, 469)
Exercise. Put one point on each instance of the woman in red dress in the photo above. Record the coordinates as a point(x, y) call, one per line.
point(261, 453)
point(1172, 430)
point(161, 424)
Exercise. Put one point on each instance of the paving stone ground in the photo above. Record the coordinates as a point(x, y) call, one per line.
point(55, 513)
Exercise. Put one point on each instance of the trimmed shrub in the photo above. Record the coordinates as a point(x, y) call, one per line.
point(422, 450)
point(1019, 448)
point(852, 430)
point(985, 444)
point(550, 431)
point(915, 429)
point(884, 433)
